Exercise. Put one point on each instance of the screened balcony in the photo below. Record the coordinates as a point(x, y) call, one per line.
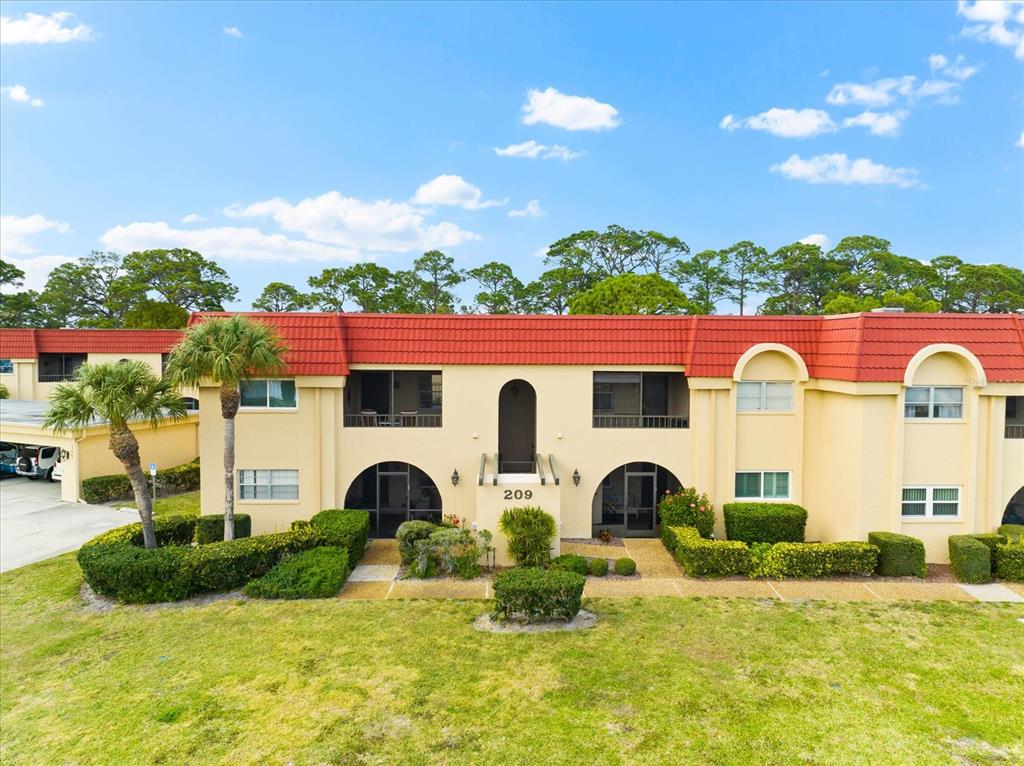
point(1015, 417)
point(393, 399)
point(641, 400)
point(57, 368)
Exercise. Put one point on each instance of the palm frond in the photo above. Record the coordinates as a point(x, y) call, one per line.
point(226, 350)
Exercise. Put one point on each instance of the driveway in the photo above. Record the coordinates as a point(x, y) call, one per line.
point(35, 524)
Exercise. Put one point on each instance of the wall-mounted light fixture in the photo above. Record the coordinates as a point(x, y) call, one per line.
point(455, 477)
point(576, 477)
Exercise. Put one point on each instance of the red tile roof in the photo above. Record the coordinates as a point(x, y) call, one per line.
point(17, 343)
point(854, 347)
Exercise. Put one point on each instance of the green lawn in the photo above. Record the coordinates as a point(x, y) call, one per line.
point(658, 681)
point(185, 504)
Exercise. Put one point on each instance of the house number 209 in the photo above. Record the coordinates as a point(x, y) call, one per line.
point(518, 494)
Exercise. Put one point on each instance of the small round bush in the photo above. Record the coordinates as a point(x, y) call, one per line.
point(570, 562)
point(529, 531)
point(686, 507)
point(625, 567)
point(598, 567)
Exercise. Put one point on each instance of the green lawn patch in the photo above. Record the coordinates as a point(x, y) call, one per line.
point(664, 680)
point(185, 504)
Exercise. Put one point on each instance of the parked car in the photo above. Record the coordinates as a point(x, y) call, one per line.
point(8, 458)
point(37, 462)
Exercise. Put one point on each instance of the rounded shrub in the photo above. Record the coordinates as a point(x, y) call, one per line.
point(569, 562)
point(210, 529)
point(1009, 560)
point(765, 522)
point(530, 532)
point(1012, 531)
point(625, 567)
point(598, 567)
point(407, 535)
point(531, 594)
point(686, 507)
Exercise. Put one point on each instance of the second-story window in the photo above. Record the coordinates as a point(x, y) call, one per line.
point(933, 402)
point(764, 396)
point(6, 367)
point(268, 393)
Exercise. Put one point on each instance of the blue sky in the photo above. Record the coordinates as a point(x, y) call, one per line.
point(282, 139)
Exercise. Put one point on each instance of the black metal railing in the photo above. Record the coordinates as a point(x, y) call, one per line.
point(58, 378)
point(1014, 431)
point(401, 420)
point(641, 421)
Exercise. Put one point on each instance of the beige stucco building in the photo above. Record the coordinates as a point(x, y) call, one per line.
point(905, 422)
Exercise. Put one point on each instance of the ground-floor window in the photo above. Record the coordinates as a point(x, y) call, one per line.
point(626, 502)
point(762, 485)
point(271, 484)
point(931, 502)
point(394, 492)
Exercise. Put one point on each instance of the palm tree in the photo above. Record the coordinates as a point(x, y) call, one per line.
point(227, 350)
point(118, 393)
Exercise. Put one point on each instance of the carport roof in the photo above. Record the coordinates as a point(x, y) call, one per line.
point(25, 413)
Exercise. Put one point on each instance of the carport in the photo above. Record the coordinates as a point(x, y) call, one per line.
point(85, 453)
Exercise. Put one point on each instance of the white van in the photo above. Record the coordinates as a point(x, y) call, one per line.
point(37, 462)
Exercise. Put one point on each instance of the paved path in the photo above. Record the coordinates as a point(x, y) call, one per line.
point(35, 524)
point(374, 579)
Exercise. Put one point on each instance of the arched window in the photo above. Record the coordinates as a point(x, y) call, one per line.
point(394, 492)
point(626, 502)
point(1014, 513)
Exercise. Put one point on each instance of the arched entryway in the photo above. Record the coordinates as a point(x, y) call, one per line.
point(394, 492)
point(626, 501)
point(1014, 513)
point(517, 427)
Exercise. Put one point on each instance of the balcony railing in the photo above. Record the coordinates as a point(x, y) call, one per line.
point(58, 378)
point(401, 420)
point(1015, 431)
point(641, 421)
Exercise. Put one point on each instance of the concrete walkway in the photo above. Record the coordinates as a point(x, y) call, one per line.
point(374, 579)
point(35, 524)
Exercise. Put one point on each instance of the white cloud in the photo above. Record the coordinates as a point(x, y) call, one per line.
point(58, 27)
point(1001, 22)
point(20, 94)
point(788, 123)
point(878, 123)
point(840, 169)
point(958, 69)
point(233, 32)
point(193, 218)
point(943, 91)
point(376, 226)
point(36, 270)
point(231, 242)
point(532, 210)
point(569, 112)
point(1020, 141)
point(541, 252)
point(453, 190)
point(879, 93)
point(533, 150)
point(16, 232)
point(820, 240)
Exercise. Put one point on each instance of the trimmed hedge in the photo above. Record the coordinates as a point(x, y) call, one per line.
point(598, 567)
point(818, 560)
point(345, 529)
point(899, 555)
point(529, 531)
point(409, 532)
point(570, 562)
point(531, 594)
point(103, 489)
point(970, 559)
point(685, 508)
point(765, 522)
point(1010, 560)
point(625, 566)
point(709, 558)
point(210, 529)
point(1011, 531)
point(316, 573)
point(115, 564)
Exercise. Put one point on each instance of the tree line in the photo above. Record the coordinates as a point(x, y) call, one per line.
point(615, 271)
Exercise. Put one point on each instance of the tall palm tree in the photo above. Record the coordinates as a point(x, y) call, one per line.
point(227, 350)
point(118, 393)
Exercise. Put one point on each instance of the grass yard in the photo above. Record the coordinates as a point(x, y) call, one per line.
point(658, 681)
point(185, 504)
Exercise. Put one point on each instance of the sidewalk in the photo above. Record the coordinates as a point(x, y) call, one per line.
point(374, 579)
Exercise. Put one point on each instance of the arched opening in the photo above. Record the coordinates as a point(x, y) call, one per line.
point(626, 502)
point(517, 427)
point(1014, 513)
point(394, 492)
